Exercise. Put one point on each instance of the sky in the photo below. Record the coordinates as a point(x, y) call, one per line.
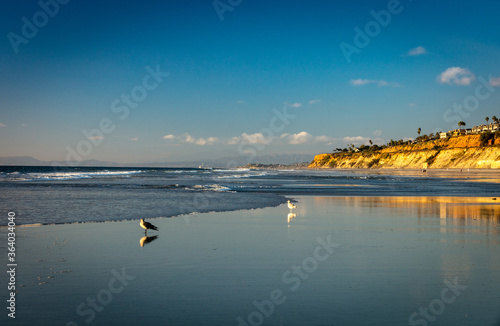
point(169, 81)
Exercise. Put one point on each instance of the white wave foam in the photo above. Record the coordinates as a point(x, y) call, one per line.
point(67, 175)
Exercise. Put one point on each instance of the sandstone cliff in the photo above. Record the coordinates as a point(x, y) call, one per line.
point(456, 152)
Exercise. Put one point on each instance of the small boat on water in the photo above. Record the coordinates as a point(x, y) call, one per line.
point(203, 167)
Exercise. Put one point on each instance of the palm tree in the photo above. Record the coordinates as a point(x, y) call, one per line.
point(419, 130)
point(487, 119)
point(370, 141)
point(461, 123)
point(495, 119)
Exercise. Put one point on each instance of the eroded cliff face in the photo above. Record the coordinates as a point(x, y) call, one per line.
point(456, 152)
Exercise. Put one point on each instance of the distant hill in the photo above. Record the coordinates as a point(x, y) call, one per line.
point(31, 161)
point(226, 162)
point(20, 160)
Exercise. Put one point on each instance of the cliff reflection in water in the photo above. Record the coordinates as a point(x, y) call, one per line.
point(453, 211)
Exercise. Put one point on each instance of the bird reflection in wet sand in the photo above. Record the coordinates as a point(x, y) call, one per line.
point(147, 226)
point(145, 240)
point(290, 217)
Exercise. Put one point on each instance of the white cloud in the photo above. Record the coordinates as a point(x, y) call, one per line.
point(199, 141)
point(296, 105)
point(412, 105)
point(456, 75)
point(361, 82)
point(357, 140)
point(296, 139)
point(256, 138)
point(2, 125)
point(417, 51)
point(315, 101)
point(377, 132)
point(134, 139)
point(96, 137)
point(234, 141)
point(495, 82)
point(187, 138)
point(380, 83)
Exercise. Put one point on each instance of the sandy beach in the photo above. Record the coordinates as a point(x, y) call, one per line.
point(333, 260)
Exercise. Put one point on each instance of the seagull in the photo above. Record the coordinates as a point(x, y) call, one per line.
point(290, 205)
point(147, 226)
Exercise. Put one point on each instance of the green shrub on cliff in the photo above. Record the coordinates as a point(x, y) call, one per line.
point(432, 158)
point(486, 137)
point(373, 162)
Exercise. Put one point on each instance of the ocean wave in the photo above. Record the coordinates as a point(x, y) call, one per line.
point(246, 175)
point(232, 170)
point(53, 176)
point(213, 187)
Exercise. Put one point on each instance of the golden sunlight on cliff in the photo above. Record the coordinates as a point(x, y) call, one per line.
point(456, 152)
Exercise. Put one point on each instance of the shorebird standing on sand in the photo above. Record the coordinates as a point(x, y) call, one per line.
point(147, 226)
point(290, 205)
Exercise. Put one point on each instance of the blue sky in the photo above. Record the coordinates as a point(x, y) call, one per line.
point(214, 79)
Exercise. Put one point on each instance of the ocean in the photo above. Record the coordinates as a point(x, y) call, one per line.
point(59, 195)
point(362, 247)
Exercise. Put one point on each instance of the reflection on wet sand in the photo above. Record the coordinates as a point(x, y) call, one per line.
point(290, 217)
point(454, 213)
point(145, 240)
point(443, 207)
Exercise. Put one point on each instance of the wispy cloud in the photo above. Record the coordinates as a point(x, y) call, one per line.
point(2, 125)
point(134, 139)
point(495, 82)
point(456, 75)
point(187, 138)
point(377, 133)
point(300, 138)
point(315, 101)
point(379, 83)
point(419, 50)
point(240, 102)
point(96, 137)
point(361, 82)
point(296, 105)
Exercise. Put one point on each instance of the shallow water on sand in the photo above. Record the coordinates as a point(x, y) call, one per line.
point(334, 261)
point(49, 195)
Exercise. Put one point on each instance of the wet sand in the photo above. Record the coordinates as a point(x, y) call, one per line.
point(332, 261)
point(477, 175)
